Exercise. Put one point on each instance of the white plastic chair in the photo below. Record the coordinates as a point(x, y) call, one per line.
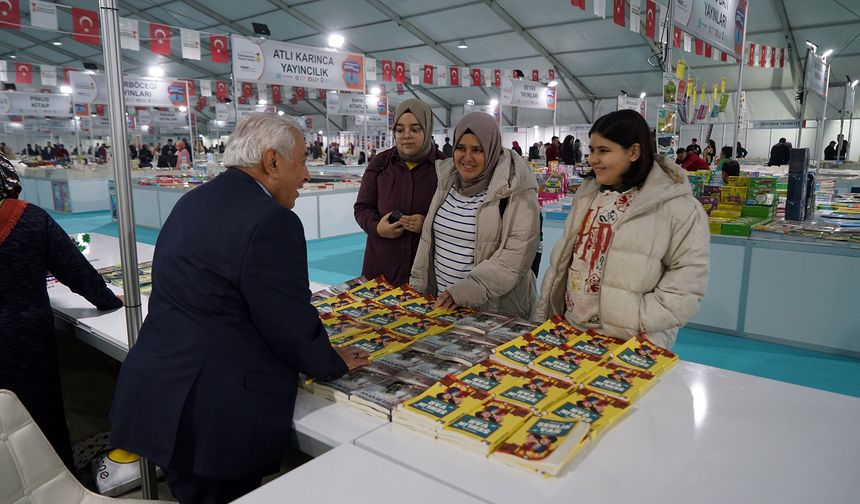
point(30, 470)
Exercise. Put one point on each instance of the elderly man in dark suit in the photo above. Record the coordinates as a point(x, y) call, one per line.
point(208, 391)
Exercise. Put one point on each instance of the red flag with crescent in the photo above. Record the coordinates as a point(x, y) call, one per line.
point(476, 77)
point(159, 39)
point(247, 89)
point(399, 71)
point(218, 49)
point(650, 18)
point(85, 26)
point(386, 70)
point(23, 73)
point(300, 93)
point(454, 73)
point(497, 77)
point(428, 74)
point(619, 12)
point(276, 93)
point(221, 90)
point(10, 14)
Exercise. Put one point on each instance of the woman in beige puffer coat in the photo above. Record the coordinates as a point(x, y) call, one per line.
point(651, 273)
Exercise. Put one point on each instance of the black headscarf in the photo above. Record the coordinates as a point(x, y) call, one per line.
point(10, 184)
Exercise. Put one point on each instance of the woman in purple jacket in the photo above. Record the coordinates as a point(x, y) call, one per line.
point(395, 194)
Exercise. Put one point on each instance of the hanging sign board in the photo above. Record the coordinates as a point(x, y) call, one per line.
point(817, 76)
point(528, 94)
point(776, 124)
point(273, 62)
point(95, 123)
point(374, 121)
point(225, 112)
point(355, 104)
point(633, 103)
point(138, 91)
point(62, 125)
point(719, 23)
point(35, 104)
point(163, 119)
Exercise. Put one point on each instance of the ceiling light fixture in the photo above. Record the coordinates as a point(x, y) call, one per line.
point(826, 54)
point(854, 84)
point(156, 71)
point(462, 45)
point(65, 89)
point(494, 102)
point(280, 112)
point(375, 91)
point(262, 101)
point(552, 83)
point(470, 102)
point(58, 43)
point(183, 108)
point(642, 95)
point(336, 40)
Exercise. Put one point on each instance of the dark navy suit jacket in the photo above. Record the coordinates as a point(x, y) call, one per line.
point(211, 384)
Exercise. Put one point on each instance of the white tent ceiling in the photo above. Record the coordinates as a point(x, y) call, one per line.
point(595, 58)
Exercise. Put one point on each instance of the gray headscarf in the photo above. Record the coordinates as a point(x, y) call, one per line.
point(425, 118)
point(10, 184)
point(484, 127)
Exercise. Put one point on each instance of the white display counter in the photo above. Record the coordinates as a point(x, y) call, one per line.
point(701, 435)
point(66, 190)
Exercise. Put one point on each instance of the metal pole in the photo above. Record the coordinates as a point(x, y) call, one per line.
point(841, 137)
point(327, 139)
point(819, 130)
point(737, 126)
point(77, 126)
point(850, 127)
point(188, 118)
point(109, 17)
point(802, 110)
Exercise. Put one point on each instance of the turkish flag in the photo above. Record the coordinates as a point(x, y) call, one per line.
point(159, 39)
point(700, 48)
point(650, 18)
point(218, 49)
point(321, 94)
point(221, 90)
point(773, 57)
point(10, 14)
point(551, 74)
point(201, 104)
point(66, 80)
point(763, 59)
point(707, 50)
point(724, 57)
point(192, 89)
point(536, 75)
point(399, 71)
point(300, 93)
point(782, 57)
point(243, 100)
point(428, 74)
point(100, 110)
point(386, 70)
point(276, 93)
point(578, 3)
point(751, 61)
point(454, 72)
point(247, 89)
point(497, 77)
point(618, 12)
point(293, 99)
point(399, 88)
point(23, 73)
point(676, 38)
point(85, 26)
point(476, 76)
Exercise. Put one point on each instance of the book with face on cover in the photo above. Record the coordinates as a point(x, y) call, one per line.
point(405, 359)
point(382, 397)
point(520, 352)
point(544, 444)
point(436, 368)
point(431, 410)
point(489, 376)
point(619, 381)
point(601, 411)
point(436, 341)
point(596, 344)
point(318, 297)
point(565, 363)
point(556, 332)
point(397, 296)
point(644, 355)
point(378, 342)
point(483, 321)
point(417, 327)
point(333, 303)
point(348, 285)
point(341, 388)
point(465, 351)
point(371, 289)
point(339, 328)
point(452, 316)
point(532, 390)
point(484, 428)
point(360, 309)
point(384, 316)
point(420, 305)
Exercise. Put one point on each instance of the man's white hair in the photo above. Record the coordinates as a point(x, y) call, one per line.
point(255, 134)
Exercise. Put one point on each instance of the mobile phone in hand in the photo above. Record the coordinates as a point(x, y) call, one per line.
point(395, 216)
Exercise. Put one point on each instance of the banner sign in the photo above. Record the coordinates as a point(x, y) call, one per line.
point(225, 112)
point(520, 93)
point(138, 91)
point(162, 118)
point(355, 104)
point(374, 121)
point(817, 76)
point(719, 23)
point(777, 124)
point(35, 104)
point(62, 125)
point(633, 103)
point(273, 62)
point(96, 123)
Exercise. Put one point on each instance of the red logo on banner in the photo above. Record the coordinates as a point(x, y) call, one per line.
point(399, 88)
point(85, 26)
point(386, 70)
point(476, 77)
point(276, 93)
point(247, 89)
point(100, 110)
point(454, 72)
point(10, 14)
point(428, 74)
point(159, 39)
point(676, 38)
point(321, 94)
point(23, 73)
point(650, 18)
point(497, 77)
point(618, 12)
point(399, 71)
point(300, 93)
point(536, 75)
point(218, 49)
point(578, 3)
point(221, 90)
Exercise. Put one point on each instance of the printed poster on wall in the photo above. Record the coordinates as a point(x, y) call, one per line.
point(633, 103)
point(717, 22)
point(35, 104)
point(273, 62)
point(138, 91)
point(528, 94)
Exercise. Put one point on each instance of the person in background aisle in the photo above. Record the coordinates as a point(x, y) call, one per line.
point(742, 153)
point(447, 149)
point(395, 194)
point(32, 243)
point(577, 151)
point(534, 152)
point(31, 151)
point(183, 158)
point(208, 391)
point(841, 138)
point(221, 147)
point(568, 154)
point(725, 155)
point(101, 153)
point(169, 149)
point(710, 152)
point(482, 230)
point(145, 156)
point(362, 158)
point(553, 150)
point(542, 152)
point(47, 152)
point(694, 147)
point(132, 151)
point(634, 255)
point(730, 168)
point(317, 150)
point(515, 146)
point(779, 153)
point(830, 151)
point(188, 147)
point(689, 161)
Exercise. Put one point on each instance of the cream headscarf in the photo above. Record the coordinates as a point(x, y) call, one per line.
point(484, 127)
point(425, 118)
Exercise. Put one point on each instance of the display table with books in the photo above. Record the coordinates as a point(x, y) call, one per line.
point(701, 434)
point(349, 474)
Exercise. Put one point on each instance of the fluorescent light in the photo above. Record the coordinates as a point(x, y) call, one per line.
point(470, 102)
point(462, 45)
point(642, 95)
point(320, 132)
point(827, 53)
point(335, 40)
point(553, 83)
point(58, 43)
point(156, 71)
point(535, 126)
point(494, 102)
point(262, 101)
point(854, 84)
point(333, 91)
point(13, 57)
point(375, 91)
point(183, 109)
point(280, 112)
point(65, 89)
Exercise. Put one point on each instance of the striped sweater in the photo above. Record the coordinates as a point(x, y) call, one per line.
point(454, 233)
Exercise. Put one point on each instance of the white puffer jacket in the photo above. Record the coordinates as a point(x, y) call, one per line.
point(657, 265)
point(505, 245)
